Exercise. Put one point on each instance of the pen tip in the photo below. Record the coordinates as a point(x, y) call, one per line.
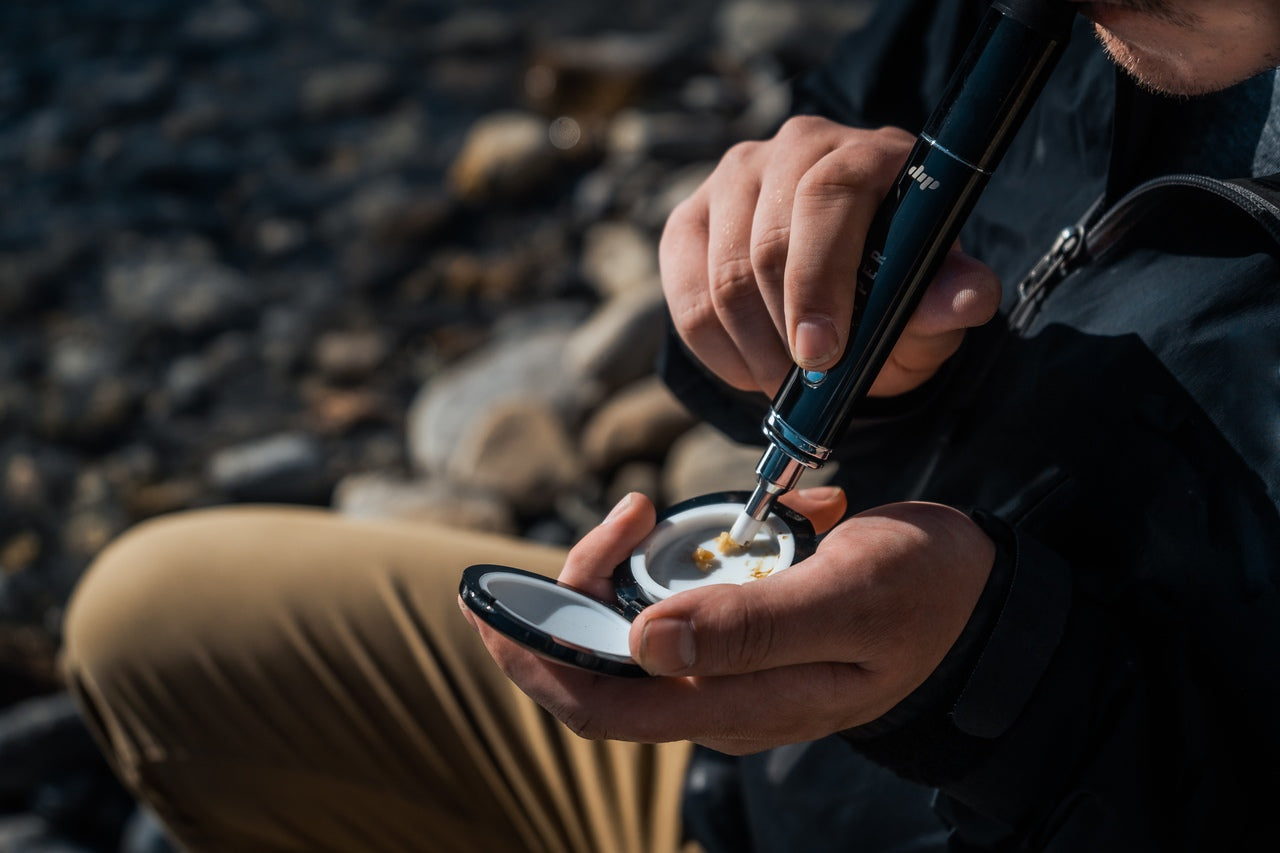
point(744, 529)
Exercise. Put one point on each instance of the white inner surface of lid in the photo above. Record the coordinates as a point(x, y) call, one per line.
point(570, 617)
point(665, 563)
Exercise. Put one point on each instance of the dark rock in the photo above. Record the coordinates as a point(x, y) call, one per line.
point(506, 155)
point(601, 73)
point(348, 89)
point(348, 356)
point(618, 257)
point(89, 414)
point(636, 135)
point(640, 422)
point(41, 739)
point(28, 276)
point(286, 467)
point(185, 291)
point(144, 833)
point(619, 343)
point(30, 833)
point(221, 26)
point(521, 450)
point(476, 31)
point(550, 530)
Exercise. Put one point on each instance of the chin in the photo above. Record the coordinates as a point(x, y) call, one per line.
point(1177, 74)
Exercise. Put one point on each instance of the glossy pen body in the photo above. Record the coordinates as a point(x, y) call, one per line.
point(1003, 70)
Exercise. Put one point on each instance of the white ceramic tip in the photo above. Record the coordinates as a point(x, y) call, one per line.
point(744, 529)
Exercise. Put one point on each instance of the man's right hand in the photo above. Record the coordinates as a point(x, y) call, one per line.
point(758, 264)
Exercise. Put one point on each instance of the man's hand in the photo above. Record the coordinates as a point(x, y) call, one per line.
point(758, 264)
point(833, 642)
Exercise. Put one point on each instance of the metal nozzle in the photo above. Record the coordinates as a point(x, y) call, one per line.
point(777, 474)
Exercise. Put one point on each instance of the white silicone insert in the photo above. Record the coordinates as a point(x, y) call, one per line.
point(674, 557)
point(570, 617)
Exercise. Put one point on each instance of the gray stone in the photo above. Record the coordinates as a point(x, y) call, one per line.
point(800, 33)
point(82, 354)
point(347, 89)
point(381, 496)
point(122, 91)
point(390, 212)
point(674, 187)
point(175, 291)
point(39, 739)
point(278, 237)
point(222, 25)
point(520, 450)
point(682, 137)
point(642, 477)
point(28, 276)
point(192, 380)
point(527, 366)
point(641, 422)
point(86, 532)
point(598, 74)
point(91, 413)
point(475, 31)
point(287, 466)
point(703, 461)
point(769, 101)
point(144, 833)
point(620, 342)
point(506, 155)
point(348, 356)
point(396, 142)
point(618, 257)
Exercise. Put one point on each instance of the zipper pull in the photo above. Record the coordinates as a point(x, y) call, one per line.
point(1052, 268)
point(1056, 263)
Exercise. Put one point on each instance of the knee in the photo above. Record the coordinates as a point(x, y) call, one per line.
point(131, 588)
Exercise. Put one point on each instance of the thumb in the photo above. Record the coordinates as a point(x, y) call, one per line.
point(729, 630)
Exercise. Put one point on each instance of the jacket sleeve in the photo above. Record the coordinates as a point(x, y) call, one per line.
point(1053, 725)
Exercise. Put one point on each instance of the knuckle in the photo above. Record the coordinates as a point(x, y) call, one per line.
point(685, 215)
point(693, 319)
point(832, 178)
point(801, 127)
point(769, 253)
point(738, 156)
point(733, 280)
point(893, 139)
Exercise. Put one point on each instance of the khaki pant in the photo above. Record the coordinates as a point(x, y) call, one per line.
point(286, 679)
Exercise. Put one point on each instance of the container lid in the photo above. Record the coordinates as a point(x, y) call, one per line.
point(553, 620)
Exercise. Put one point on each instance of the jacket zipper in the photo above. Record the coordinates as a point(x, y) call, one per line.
point(1098, 231)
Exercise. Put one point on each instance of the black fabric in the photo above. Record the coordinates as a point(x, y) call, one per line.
point(1126, 441)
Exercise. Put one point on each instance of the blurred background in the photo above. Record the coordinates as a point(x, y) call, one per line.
point(397, 257)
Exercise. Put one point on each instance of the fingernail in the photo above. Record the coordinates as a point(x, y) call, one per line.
point(619, 509)
point(816, 341)
point(667, 646)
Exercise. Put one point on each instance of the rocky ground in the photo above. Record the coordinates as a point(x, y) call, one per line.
point(396, 257)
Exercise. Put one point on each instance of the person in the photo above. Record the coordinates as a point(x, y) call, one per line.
point(1044, 615)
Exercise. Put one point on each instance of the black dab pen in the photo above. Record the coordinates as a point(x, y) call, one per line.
point(1016, 48)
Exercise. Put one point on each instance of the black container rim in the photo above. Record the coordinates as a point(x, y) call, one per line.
point(502, 618)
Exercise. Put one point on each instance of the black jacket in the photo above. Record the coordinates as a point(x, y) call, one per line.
point(1117, 431)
